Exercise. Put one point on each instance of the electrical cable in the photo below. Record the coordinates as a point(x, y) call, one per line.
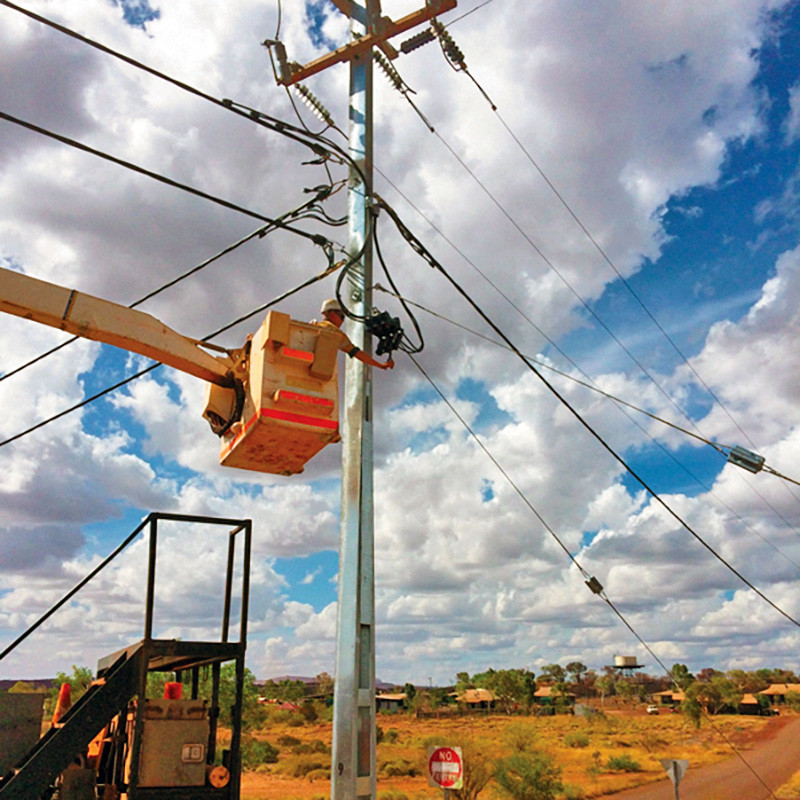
point(594, 388)
point(591, 311)
point(420, 248)
point(259, 232)
point(316, 238)
point(591, 582)
point(408, 347)
point(455, 59)
point(319, 144)
point(86, 401)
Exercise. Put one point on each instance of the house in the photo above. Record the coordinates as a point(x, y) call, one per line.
point(476, 699)
point(549, 695)
point(390, 703)
point(776, 693)
point(749, 705)
point(669, 697)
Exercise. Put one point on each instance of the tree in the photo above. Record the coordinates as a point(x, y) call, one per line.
point(606, 686)
point(717, 693)
point(324, 684)
point(22, 687)
point(528, 776)
point(553, 672)
point(410, 691)
point(463, 682)
point(681, 675)
point(576, 669)
point(508, 686)
point(478, 770)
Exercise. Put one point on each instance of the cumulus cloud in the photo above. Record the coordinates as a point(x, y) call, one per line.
point(622, 111)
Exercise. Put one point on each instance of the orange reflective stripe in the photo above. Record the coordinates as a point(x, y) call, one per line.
point(300, 355)
point(283, 394)
point(302, 419)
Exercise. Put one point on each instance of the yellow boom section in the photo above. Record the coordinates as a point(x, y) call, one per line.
point(93, 318)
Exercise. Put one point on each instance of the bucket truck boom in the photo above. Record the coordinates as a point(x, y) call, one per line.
point(273, 402)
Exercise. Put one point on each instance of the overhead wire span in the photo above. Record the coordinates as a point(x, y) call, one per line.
point(86, 401)
point(318, 143)
point(316, 238)
point(426, 255)
point(258, 233)
point(592, 583)
point(618, 401)
point(455, 58)
point(456, 53)
point(722, 449)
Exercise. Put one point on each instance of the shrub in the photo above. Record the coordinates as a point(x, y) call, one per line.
point(288, 741)
point(319, 775)
point(529, 776)
point(399, 766)
point(520, 737)
point(572, 792)
point(298, 766)
point(576, 739)
point(623, 763)
point(391, 736)
point(314, 746)
point(256, 752)
point(392, 794)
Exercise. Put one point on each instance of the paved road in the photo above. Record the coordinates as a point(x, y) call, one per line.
point(774, 760)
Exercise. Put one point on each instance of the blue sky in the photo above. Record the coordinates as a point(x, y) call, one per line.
point(678, 151)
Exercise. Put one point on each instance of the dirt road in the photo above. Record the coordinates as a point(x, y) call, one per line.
point(774, 760)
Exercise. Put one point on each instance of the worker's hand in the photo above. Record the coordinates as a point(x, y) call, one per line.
point(388, 364)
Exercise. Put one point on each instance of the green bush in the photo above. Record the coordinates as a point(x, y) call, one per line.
point(398, 767)
point(288, 741)
point(391, 736)
point(623, 763)
point(314, 746)
point(256, 752)
point(529, 776)
point(576, 739)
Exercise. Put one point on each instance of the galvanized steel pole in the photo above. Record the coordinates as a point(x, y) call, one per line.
point(353, 757)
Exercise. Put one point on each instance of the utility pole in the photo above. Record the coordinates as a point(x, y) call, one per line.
point(353, 757)
point(354, 744)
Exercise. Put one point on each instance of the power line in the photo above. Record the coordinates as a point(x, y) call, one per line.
point(594, 388)
point(319, 144)
point(316, 238)
point(591, 582)
point(258, 233)
point(591, 311)
point(423, 252)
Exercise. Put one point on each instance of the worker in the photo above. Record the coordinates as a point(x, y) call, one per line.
point(333, 318)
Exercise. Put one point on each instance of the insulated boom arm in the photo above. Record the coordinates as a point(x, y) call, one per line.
point(93, 318)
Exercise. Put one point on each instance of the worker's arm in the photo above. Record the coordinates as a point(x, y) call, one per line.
point(367, 359)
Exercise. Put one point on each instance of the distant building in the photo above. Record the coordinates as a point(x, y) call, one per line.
point(390, 703)
point(669, 698)
point(476, 699)
point(549, 695)
point(776, 693)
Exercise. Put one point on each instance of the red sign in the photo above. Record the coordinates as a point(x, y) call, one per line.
point(445, 767)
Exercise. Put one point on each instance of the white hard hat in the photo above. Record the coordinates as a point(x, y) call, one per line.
point(331, 304)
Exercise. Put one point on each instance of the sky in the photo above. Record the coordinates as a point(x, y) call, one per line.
point(627, 215)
